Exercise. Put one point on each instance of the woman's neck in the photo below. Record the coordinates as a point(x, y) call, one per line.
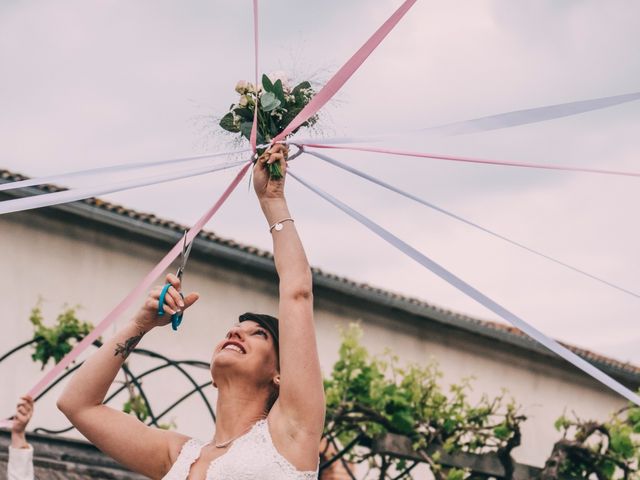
point(237, 409)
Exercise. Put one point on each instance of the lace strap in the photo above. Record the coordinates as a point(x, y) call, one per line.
point(189, 453)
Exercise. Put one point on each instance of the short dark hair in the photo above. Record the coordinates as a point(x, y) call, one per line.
point(266, 321)
point(271, 325)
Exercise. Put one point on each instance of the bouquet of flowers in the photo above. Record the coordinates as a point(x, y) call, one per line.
point(277, 103)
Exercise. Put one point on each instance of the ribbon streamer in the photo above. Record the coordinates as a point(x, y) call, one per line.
point(493, 122)
point(346, 71)
point(253, 136)
point(319, 100)
point(66, 196)
point(64, 177)
point(453, 158)
point(388, 186)
point(141, 288)
point(475, 294)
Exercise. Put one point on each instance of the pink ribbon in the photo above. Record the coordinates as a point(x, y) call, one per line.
point(141, 288)
point(472, 160)
point(253, 137)
point(318, 101)
point(348, 69)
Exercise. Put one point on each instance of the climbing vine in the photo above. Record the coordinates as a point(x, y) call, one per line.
point(56, 341)
point(368, 396)
point(604, 450)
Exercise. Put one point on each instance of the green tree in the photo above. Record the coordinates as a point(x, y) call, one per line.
point(58, 340)
point(604, 450)
point(369, 396)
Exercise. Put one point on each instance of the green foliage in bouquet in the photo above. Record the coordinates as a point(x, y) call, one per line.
point(278, 104)
point(607, 450)
point(368, 396)
point(56, 341)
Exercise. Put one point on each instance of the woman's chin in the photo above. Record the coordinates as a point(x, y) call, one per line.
point(225, 357)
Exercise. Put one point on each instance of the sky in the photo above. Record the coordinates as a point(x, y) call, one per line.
point(89, 84)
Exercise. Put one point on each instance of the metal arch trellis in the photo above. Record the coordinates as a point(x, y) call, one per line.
point(136, 380)
point(361, 453)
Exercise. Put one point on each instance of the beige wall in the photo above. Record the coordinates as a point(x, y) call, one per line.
point(86, 266)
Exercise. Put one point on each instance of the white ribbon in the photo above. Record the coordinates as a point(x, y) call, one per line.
point(478, 296)
point(56, 198)
point(388, 186)
point(492, 122)
point(64, 177)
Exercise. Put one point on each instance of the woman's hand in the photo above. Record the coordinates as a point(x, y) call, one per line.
point(24, 411)
point(147, 317)
point(266, 187)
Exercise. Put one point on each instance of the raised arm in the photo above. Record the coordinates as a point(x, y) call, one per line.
point(20, 464)
point(143, 449)
point(301, 399)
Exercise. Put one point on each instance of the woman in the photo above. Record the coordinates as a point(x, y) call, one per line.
point(270, 407)
point(20, 464)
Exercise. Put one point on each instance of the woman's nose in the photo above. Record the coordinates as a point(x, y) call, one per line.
point(236, 332)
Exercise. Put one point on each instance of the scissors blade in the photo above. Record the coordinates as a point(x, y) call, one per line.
point(186, 250)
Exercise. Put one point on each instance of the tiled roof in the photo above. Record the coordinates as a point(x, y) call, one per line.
point(477, 325)
point(59, 458)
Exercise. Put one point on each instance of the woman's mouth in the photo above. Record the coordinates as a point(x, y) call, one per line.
point(234, 346)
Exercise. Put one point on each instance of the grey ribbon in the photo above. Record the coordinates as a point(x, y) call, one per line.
point(62, 178)
point(475, 294)
point(494, 122)
point(388, 186)
point(66, 196)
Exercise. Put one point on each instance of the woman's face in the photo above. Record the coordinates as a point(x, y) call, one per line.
point(248, 349)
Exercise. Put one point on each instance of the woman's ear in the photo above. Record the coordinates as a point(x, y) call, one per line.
point(276, 380)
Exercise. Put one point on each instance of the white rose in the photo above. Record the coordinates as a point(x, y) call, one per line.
point(243, 101)
point(242, 86)
point(282, 76)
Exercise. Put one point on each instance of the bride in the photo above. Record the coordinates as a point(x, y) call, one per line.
point(270, 406)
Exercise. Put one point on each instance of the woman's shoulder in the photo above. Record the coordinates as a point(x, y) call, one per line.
point(177, 442)
point(184, 452)
point(295, 443)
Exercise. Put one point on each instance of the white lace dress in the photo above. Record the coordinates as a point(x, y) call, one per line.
point(251, 456)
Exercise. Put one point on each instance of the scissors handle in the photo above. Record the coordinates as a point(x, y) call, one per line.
point(176, 318)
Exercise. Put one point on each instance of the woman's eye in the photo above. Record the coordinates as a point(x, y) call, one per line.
point(261, 332)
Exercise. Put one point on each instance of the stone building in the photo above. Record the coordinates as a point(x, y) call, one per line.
point(92, 253)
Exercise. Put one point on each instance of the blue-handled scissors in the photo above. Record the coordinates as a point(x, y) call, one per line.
point(176, 318)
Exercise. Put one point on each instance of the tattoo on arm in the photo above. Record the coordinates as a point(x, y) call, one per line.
point(124, 349)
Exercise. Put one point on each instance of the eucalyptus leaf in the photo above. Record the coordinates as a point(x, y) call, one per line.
point(245, 113)
point(279, 91)
point(269, 102)
point(245, 129)
point(300, 86)
point(228, 124)
point(266, 84)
